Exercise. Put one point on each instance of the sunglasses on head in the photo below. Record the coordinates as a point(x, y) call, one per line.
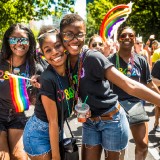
point(124, 35)
point(50, 31)
point(95, 44)
point(15, 40)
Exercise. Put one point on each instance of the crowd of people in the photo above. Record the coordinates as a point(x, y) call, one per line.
point(66, 71)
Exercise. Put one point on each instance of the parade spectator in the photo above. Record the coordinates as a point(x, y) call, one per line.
point(96, 42)
point(108, 47)
point(41, 133)
point(139, 49)
point(18, 48)
point(156, 78)
point(93, 77)
point(156, 51)
point(135, 67)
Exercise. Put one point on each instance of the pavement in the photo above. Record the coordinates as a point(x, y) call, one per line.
point(154, 137)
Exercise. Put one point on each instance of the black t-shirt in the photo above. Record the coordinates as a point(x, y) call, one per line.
point(94, 85)
point(140, 72)
point(156, 70)
point(53, 86)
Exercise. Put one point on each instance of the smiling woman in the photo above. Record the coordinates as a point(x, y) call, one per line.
point(55, 90)
point(17, 59)
point(135, 67)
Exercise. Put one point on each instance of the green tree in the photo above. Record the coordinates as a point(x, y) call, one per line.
point(144, 18)
point(95, 14)
point(14, 11)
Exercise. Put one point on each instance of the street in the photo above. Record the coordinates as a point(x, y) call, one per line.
point(154, 137)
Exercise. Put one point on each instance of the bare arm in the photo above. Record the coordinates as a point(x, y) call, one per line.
point(153, 86)
point(52, 115)
point(132, 87)
point(156, 81)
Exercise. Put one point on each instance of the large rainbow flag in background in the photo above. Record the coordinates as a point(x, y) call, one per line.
point(19, 93)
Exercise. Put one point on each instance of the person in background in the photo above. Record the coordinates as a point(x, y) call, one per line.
point(107, 47)
point(156, 79)
point(41, 133)
point(134, 66)
point(92, 80)
point(139, 49)
point(156, 51)
point(96, 42)
point(18, 48)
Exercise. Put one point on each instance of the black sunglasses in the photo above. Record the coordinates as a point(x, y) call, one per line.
point(69, 36)
point(124, 35)
point(95, 44)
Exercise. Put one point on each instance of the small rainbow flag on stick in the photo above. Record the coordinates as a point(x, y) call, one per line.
point(19, 92)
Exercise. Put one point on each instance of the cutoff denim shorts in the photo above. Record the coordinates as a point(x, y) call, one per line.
point(111, 134)
point(10, 119)
point(36, 137)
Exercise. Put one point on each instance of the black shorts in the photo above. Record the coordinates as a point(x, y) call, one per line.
point(10, 119)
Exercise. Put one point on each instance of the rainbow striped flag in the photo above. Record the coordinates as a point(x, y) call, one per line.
point(19, 93)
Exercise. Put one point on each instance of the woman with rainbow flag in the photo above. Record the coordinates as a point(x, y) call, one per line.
point(16, 59)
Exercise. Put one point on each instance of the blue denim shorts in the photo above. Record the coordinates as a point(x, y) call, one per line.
point(36, 137)
point(111, 134)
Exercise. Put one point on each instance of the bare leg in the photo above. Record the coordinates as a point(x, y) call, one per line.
point(4, 149)
point(91, 152)
point(110, 155)
point(122, 155)
point(16, 145)
point(140, 135)
point(157, 115)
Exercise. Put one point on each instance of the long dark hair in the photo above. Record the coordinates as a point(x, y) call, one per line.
point(6, 50)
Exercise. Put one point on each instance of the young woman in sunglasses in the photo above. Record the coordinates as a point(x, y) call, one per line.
point(134, 66)
point(96, 42)
point(16, 58)
point(107, 48)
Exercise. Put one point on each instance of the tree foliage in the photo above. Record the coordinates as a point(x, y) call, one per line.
point(18, 11)
point(144, 18)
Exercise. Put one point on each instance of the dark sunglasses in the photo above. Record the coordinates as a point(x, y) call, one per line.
point(68, 36)
point(50, 31)
point(124, 35)
point(15, 40)
point(97, 44)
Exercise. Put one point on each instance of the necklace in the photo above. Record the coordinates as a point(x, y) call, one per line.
point(75, 83)
point(16, 70)
point(130, 64)
point(61, 87)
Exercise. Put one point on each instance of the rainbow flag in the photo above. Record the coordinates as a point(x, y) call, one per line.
point(19, 93)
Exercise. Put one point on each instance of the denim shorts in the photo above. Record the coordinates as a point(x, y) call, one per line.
point(10, 119)
point(111, 134)
point(36, 137)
